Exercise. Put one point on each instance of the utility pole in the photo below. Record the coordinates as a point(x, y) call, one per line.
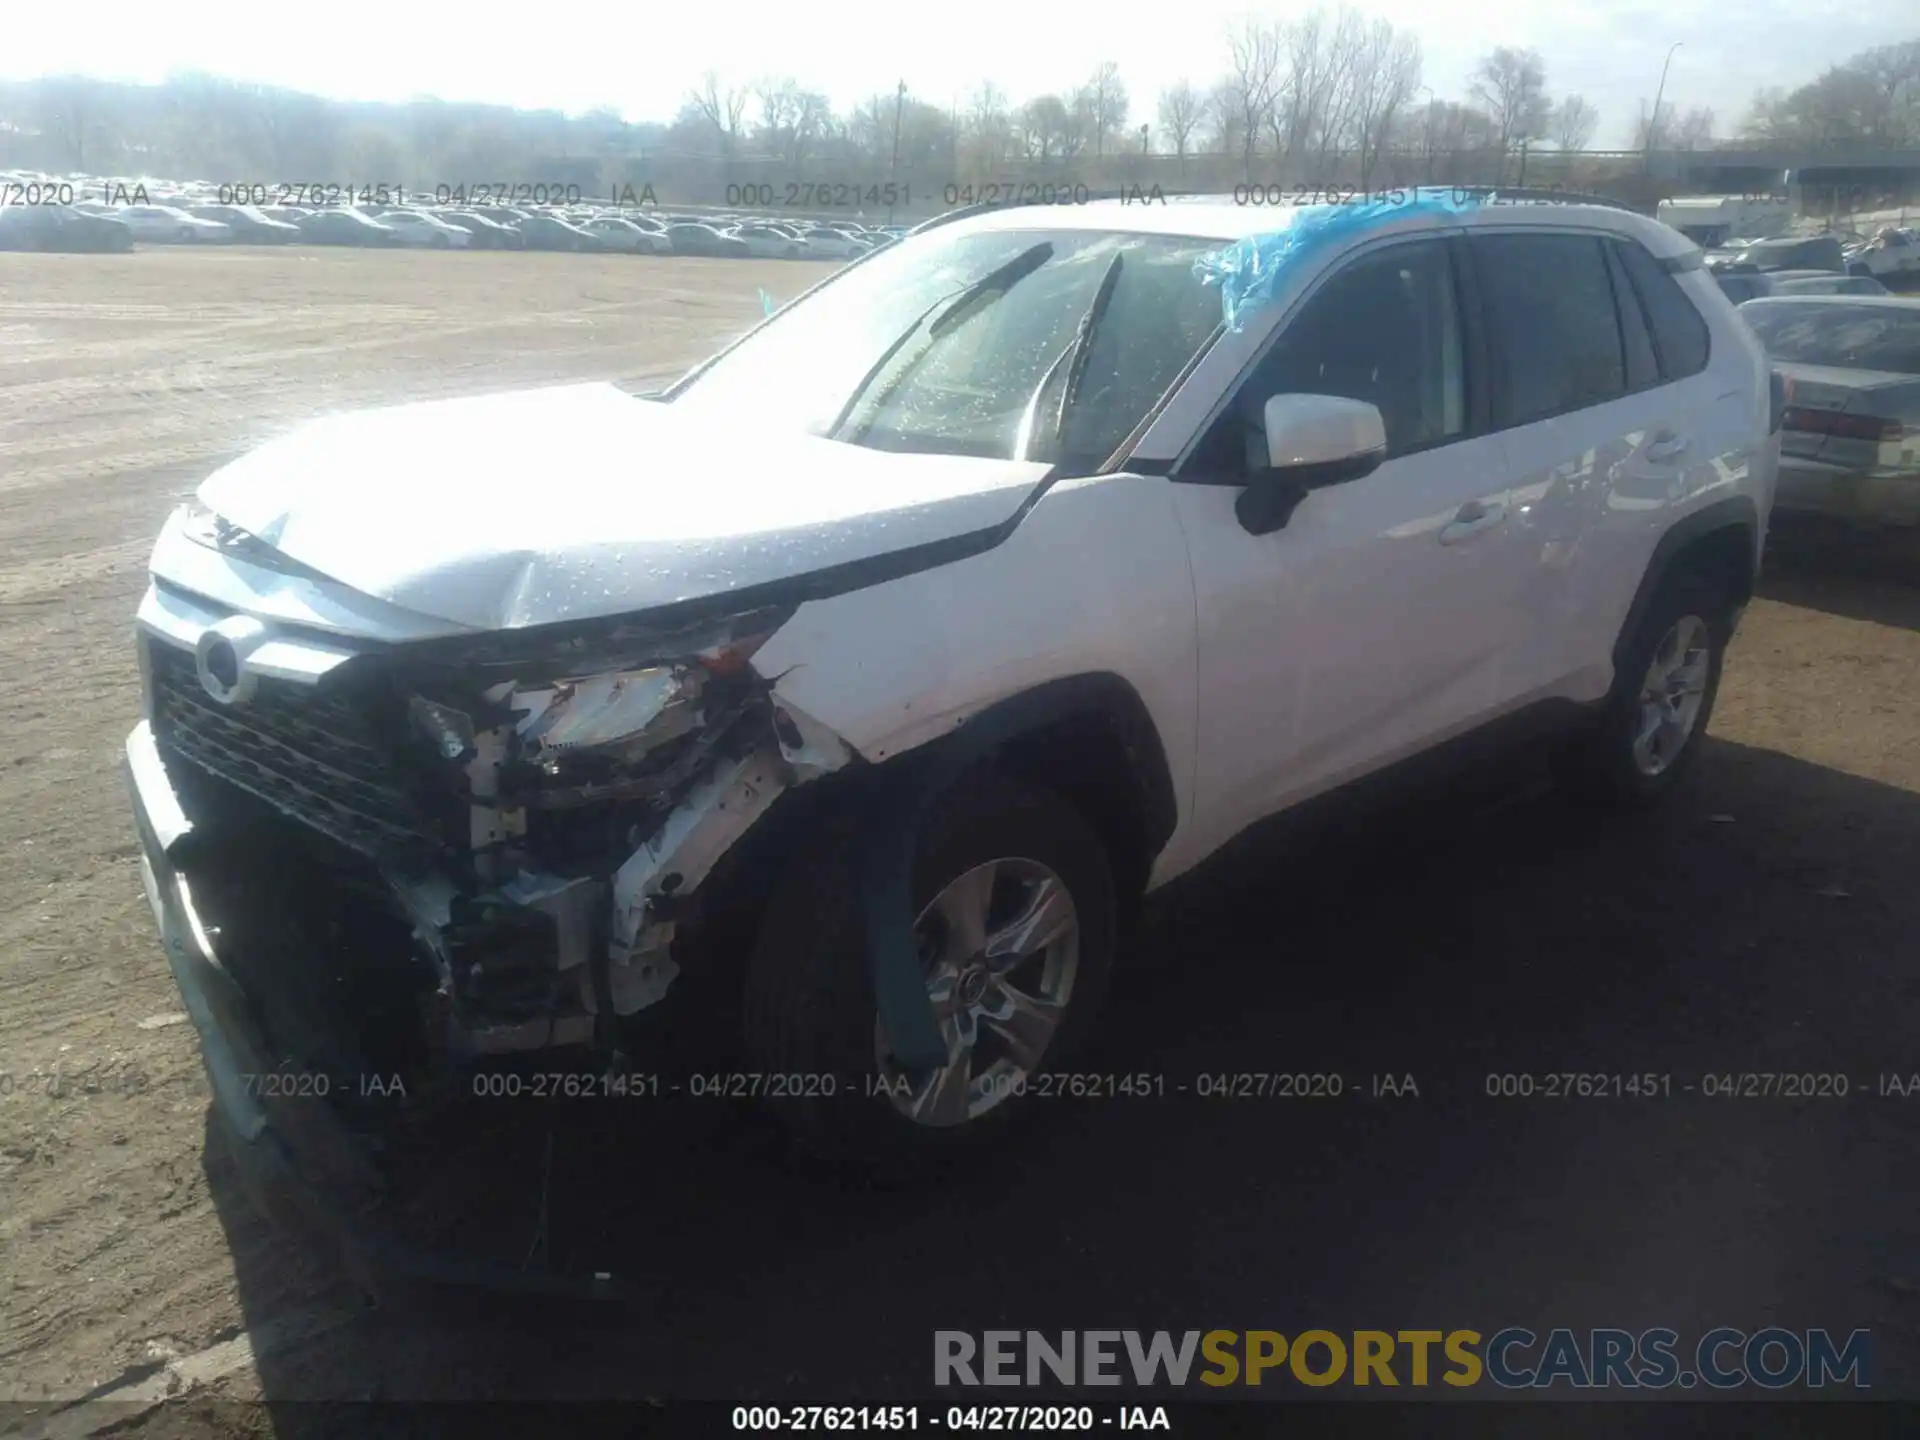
point(1653, 120)
point(1433, 104)
point(893, 166)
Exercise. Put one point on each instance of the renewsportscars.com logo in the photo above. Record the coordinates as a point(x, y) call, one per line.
point(1513, 1359)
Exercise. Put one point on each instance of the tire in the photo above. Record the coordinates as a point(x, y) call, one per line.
point(1601, 764)
point(440, 242)
point(793, 252)
point(809, 1009)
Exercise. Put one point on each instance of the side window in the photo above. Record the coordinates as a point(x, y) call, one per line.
point(1636, 343)
point(1384, 328)
point(1679, 333)
point(1555, 334)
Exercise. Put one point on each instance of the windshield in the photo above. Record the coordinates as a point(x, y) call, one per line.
point(1856, 337)
point(961, 383)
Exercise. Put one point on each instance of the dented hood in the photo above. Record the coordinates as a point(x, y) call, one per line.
point(568, 503)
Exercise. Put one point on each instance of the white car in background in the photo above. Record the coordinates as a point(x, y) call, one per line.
point(167, 224)
point(822, 242)
point(416, 227)
point(1891, 251)
point(618, 234)
point(768, 241)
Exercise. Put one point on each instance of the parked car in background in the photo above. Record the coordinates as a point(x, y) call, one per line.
point(1787, 252)
point(487, 234)
point(339, 225)
point(502, 214)
point(1851, 442)
point(60, 228)
point(769, 242)
point(168, 225)
point(1891, 251)
point(615, 233)
point(1821, 282)
point(419, 229)
point(823, 242)
point(248, 225)
point(694, 238)
point(1742, 284)
point(549, 232)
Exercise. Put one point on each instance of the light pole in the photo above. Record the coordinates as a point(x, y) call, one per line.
point(893, 166)
point(1433, 104)
point(1653, 120)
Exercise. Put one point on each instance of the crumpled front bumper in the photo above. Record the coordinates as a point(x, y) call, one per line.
point(296, 1158)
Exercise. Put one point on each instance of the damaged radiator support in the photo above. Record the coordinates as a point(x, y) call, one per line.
point(609, 940)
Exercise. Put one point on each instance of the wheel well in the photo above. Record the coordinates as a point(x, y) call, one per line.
point(1716, 541)
point(1087, 759)
point(1726, 554)
point(1088, 738)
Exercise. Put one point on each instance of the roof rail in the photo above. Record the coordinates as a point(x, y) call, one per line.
point(1544, 197)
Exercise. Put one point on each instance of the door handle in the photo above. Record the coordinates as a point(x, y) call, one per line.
point(1666, 446)
point(1473, 518)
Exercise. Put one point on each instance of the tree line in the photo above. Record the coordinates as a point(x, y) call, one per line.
point(1325, 96)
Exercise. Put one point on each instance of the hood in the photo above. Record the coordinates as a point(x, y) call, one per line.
point(500, 511)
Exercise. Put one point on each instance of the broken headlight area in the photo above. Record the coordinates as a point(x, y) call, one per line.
point(534, 813)
point(597, 798)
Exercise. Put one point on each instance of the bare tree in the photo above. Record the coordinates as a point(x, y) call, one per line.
point(1107, 101)
point(1302, 89)
point(1336, 104)
point(1181, 110)
point(1046, 126)
point(1385, 77)
point(989, 126)
point(1673, 130)
point(1223, 118)
point(1253, 48)
point(64, 115)
point(1512, 85)
point(722, 108)
point(1574, 121)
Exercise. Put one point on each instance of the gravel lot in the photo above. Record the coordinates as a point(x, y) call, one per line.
point(1764, 922)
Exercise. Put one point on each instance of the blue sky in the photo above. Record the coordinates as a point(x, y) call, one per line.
point(643, 59)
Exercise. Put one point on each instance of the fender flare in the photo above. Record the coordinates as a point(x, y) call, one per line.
point(904, 792)
point(1736, 512)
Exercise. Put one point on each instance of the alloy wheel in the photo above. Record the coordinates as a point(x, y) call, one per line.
point(1000, 948)
point(1671, 694)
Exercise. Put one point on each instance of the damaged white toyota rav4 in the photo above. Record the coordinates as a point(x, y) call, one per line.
point(862, 680)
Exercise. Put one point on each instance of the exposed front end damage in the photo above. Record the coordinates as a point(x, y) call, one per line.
point(521, 815)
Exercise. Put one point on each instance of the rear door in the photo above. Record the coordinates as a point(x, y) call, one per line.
point(1598, 394)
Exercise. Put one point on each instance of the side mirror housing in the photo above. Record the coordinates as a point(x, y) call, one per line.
point(1312, 441)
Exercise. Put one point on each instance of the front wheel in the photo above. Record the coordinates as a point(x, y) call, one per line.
point(1014, 929)
point(1649, 729)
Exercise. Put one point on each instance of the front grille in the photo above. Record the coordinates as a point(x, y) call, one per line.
point(316, 755)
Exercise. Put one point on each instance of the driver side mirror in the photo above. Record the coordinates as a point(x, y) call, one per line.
point(1313, 441)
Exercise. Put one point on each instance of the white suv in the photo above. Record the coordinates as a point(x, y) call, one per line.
point(867, 676)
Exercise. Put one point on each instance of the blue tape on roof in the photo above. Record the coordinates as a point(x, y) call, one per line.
point(1250, 270)
point(767, 307)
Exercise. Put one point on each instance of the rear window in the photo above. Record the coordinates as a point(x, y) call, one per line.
point(1679, 333)
point(1853, 337)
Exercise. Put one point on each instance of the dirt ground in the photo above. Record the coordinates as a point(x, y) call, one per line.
point(1764, 922)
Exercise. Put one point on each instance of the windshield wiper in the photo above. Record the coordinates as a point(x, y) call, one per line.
point(1074, 357)
point(942, 314)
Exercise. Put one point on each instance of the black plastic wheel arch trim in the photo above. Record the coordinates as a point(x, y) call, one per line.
point(1736, 512)
point(902, 797)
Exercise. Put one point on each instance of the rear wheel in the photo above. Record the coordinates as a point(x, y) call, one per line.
point(1014, 928)
point(1650, 727)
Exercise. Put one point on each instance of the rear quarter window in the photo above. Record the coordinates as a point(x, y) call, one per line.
point(1680, 337)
